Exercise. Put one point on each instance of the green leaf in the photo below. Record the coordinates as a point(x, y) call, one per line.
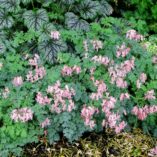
point(6, 21)
point(88, 9)
point(50, 48)
point(2, 48)
point(26, 1)
point(73, 22)
point(9, 5)
point(46, 31)
point(68, 1)
point(105, 8)
point(24, 133)
point(35, 20)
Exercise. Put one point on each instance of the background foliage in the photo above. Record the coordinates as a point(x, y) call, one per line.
point(25, 30)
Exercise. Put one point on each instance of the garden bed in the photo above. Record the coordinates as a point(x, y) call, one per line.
point(106, 144)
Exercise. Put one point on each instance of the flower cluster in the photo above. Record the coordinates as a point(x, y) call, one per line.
point(150, 95)
point(45, 123)
point(17, 81)
point(112, 119)
point(153, 152)
point(67, 71)
point(143, 112)
point(42, 100)
point(22, 115)
point(124, 96)
point(142, 79)
point(62, 98)
point(5, 92)
point(85, 45)
point(101, 88)
point(39, 72)
point(1, 65)
point(108, 104)
point(122, 50)
point(119, 72)
point(102, 60)
point(34, 61)
point(55, 35)
point(97, 44)
point(87, 114)
point(133, 35)
point(154, 59)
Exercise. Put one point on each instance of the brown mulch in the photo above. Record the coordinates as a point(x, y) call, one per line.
point(134, 144)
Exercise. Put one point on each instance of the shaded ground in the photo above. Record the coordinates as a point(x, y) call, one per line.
point(107, 144)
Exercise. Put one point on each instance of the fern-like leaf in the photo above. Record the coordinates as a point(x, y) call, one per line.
point(50, 48)
point(35, 20)
point(73, 22)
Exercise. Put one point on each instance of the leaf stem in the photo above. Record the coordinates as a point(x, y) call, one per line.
point(32, 4)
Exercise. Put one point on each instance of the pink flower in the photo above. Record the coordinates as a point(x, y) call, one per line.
point(150, 95)
point(34, 61)
point(1, 65)
point(42, 100)
point(124, 96)
point(102, 60)
point(121, 83)
point(67, 71)
point(45, 123)
point(6, 92)
point(153, 152)
point(118, 72)
point(62, 98)
point(101, 88)
point(24, 114)
point(17, 81)
point(120, 127)
point(87, 114)
point(122, 51)
point(77, 69)
point(55, 35)
point(135, 110)
point(143, 112)
point(40, 72)
point(138, 84)
point(154, 59)
point(141, 115)
point(133, 35)
point(108, 104)
point(85, 45)
point(143, 77)
point(97, 44)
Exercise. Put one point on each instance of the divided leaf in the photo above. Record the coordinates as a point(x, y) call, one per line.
point(35, 20)
point(50, 48)
point(73, 22)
